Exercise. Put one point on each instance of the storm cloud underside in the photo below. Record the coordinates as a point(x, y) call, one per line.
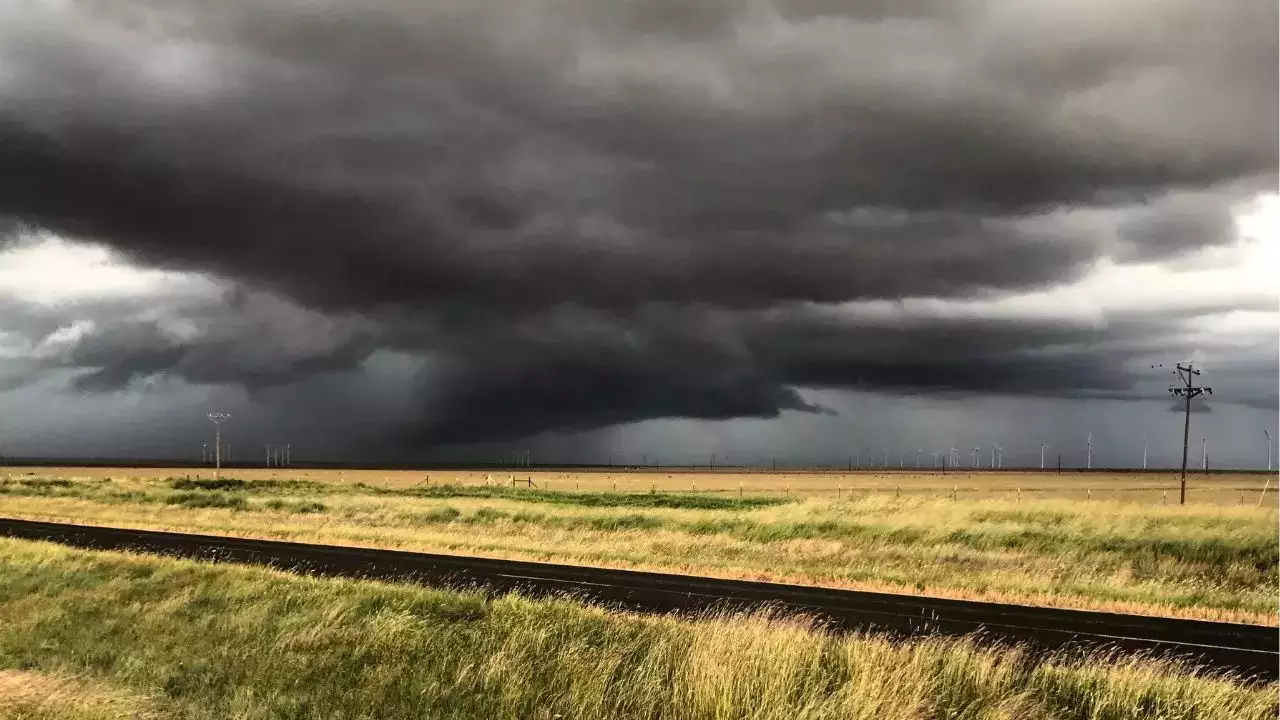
point(586, 214)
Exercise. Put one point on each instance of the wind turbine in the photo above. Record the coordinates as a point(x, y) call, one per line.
point(1089, 456)
point(919, 451)
point(1204, 454)
point(886, 458)
point(993, 456)
point(976, 450)
point(1144, 451)
point(999, 458)
point(1042, 446)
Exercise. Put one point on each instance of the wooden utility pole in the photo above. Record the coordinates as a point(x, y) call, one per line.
point(1186, 389)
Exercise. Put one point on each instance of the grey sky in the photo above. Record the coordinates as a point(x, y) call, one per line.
point(421, 229)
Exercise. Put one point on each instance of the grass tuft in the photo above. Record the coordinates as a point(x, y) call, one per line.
point(214, 499)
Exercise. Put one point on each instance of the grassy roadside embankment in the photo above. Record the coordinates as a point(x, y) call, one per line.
point(1202, 561)
point(187, 640)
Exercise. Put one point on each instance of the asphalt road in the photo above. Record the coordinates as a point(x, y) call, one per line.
point(1250, 649)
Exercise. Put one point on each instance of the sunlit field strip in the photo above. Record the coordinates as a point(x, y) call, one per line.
point(1211, 562)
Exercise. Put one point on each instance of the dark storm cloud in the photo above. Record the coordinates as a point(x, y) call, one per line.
point(397, 152)
point(1175, 226)
point(235, 337)
point(593, 213)
point(576, 369)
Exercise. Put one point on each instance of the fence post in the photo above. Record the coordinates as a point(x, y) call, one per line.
point(954, 491)
point(839, 491)
point(1164, 497)
point(739, 488)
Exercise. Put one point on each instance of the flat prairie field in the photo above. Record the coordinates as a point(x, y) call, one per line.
point(1224, 488)
point(984, 536)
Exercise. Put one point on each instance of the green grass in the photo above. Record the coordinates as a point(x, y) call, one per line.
point(217, 641)
point(685, 501)
point(1198, 561)
point(519, 493)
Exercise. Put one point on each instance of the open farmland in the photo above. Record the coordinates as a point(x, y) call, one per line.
point(107, 635)
point(1212, 561)
point(1225, 488)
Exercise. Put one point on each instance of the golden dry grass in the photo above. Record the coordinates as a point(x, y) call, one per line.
point(26, 695)
point(218, 641)
point(1200, 561)
point(1143, 488)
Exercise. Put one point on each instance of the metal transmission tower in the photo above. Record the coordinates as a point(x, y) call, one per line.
point(1186, 389)
point(218, 418)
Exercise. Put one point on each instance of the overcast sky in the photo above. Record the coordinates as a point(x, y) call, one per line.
point(414, 230)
